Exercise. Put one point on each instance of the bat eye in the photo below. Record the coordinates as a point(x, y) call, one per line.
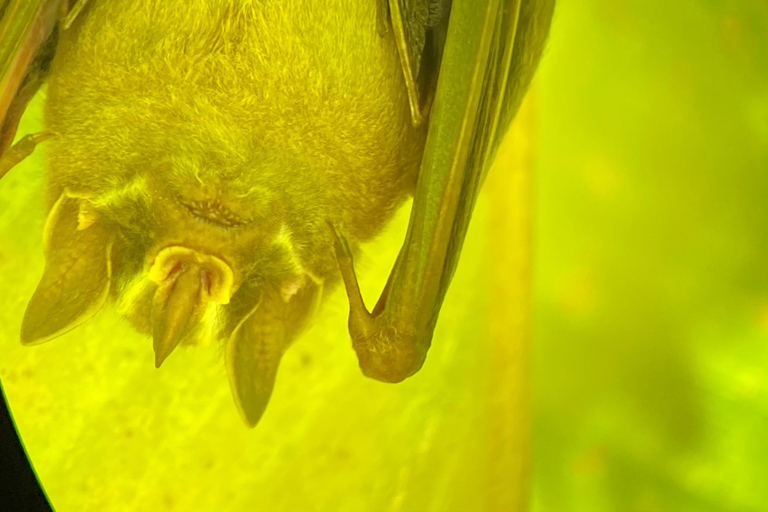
point(214, 212)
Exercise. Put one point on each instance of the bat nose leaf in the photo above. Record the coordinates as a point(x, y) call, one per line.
point(75, 283)
point(188, 281)
point(177, 308)
point(219, 285)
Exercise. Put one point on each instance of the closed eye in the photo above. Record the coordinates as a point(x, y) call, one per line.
point(215, 213)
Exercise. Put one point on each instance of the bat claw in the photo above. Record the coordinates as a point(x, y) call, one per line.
point(22, 149)
point(347, 268)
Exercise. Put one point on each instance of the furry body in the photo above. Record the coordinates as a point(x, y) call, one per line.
point(234, 127)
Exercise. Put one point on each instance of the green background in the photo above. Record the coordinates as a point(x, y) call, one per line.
point(650, 346)
point(651, 281)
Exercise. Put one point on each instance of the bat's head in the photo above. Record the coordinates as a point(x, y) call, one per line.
point(185, 255)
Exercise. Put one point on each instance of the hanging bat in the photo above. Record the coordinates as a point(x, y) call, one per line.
point(213, 165)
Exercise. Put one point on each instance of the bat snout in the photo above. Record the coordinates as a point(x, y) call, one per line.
point(188, 281)
point(216, 276)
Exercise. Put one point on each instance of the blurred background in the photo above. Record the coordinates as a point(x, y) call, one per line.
point(651, 269)
point(647, 141)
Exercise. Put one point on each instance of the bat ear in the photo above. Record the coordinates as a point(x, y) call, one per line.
point(75, 283)
point(253, 355)
point(258, 343)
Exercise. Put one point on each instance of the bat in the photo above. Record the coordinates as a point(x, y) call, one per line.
point(212, 169)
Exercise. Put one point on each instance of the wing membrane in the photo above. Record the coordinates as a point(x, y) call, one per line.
point(478, 90)
point(25, 27)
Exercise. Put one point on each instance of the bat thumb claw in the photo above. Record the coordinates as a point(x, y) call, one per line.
point(347, 269)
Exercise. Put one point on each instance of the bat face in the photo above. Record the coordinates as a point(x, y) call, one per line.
point(201, 153)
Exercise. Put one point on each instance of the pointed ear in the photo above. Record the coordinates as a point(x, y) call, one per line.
point(253, 355)
point(76, 280)
point(258, 343)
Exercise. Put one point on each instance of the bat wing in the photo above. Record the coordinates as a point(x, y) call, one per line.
point(490, 53)
point(28, 37)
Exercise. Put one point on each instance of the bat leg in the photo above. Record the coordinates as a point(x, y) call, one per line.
point(418, 113)
point(21, 150)
point(387, 349)
point(73, 13)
